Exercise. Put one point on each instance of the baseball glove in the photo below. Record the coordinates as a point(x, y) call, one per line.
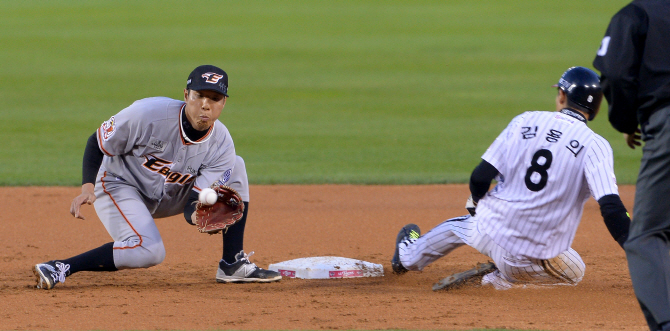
point(226, 211)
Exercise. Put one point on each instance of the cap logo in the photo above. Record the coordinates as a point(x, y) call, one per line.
point(590, 98)
point(212, 77)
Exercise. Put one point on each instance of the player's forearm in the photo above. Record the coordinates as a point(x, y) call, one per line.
point(88, 188)
point(92, 160)
point(615, 216)
point(481, 178)
point(189, 208)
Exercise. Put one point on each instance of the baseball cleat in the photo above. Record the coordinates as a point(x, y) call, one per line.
point(407, 235)
point(48, 274)
point(469, 276)
point(243, 271)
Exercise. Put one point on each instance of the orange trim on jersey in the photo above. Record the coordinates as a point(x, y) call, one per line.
point(122, 214)
point(100, 144)
point(181, 129)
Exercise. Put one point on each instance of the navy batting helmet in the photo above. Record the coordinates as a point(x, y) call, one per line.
point(582, 87)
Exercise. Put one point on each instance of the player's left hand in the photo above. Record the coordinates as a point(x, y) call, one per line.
point(471, 205)
point(87, 196)
point(633, 139)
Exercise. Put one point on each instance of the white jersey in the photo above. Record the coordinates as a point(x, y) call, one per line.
point(144, 147)
point(549, 163)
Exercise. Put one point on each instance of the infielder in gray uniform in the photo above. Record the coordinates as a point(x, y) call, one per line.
point(547, 164)
point(150, 161)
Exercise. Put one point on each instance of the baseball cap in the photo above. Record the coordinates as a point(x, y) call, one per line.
point(208, 77)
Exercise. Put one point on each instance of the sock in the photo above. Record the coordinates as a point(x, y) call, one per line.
point(98, 259)
point(233, 239)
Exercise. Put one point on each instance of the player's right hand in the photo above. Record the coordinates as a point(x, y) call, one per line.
point(471, 205)
point(87, 196)
point(633, 139)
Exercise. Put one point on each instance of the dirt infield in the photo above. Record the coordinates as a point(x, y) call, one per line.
point(287, 222)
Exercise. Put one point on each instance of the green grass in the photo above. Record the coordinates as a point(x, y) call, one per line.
point(321, 91)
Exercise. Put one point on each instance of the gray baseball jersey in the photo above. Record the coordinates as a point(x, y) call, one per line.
point(145, 147)
point(148, 172)
point(549, 164)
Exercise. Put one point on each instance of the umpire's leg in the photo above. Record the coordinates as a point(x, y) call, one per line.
point(647, 248)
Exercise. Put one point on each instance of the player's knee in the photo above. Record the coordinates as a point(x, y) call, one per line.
point(151, 254)
point(577, 274)
point(157, 254)
point(569, 266)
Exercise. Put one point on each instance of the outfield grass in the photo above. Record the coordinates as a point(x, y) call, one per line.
point(321, 91)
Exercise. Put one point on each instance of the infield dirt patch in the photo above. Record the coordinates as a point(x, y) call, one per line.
point(287, 222)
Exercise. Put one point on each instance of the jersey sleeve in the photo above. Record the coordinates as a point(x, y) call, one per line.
point(599, 169)
point(495, 154)
point(219, 164)
point(118, 135)
point(618, 60)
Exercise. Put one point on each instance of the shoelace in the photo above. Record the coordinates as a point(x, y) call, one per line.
point(411, 238)
point(246, 256)
point(59, 275)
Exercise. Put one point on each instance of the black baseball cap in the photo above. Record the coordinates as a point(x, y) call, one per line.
point(208, 77)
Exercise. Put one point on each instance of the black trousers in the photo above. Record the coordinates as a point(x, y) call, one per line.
point(648, 244)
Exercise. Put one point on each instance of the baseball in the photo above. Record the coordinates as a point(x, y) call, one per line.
point(207, 196)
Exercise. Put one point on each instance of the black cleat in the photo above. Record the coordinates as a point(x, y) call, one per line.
point(48, 274)
point(407, 235)
point(243, 271)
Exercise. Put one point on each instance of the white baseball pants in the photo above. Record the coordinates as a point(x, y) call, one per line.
point(566, 269)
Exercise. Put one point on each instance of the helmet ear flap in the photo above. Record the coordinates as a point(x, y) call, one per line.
point(595, 99)
point(593, 113)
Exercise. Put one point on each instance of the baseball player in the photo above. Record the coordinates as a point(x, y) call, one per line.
point(150, 161)
point(633, 61)
point(546, 164)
